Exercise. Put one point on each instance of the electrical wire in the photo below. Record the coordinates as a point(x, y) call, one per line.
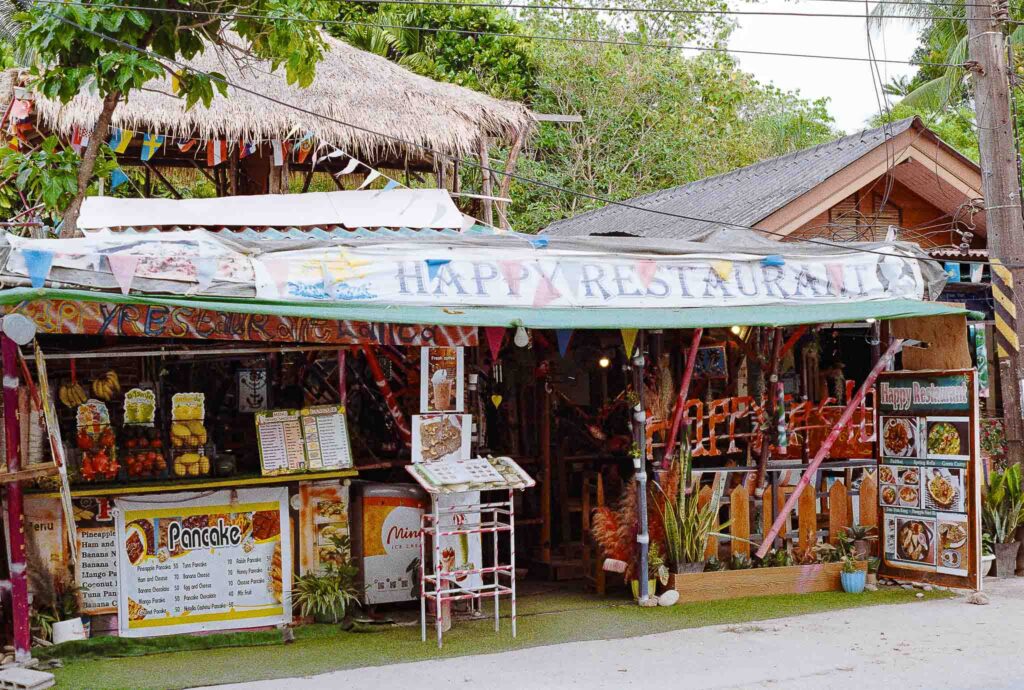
point(439, 154)
point(470, 32)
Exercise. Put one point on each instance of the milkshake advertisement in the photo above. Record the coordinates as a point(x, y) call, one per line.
point(442, 372)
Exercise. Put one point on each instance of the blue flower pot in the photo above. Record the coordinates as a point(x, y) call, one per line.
point(853, 582)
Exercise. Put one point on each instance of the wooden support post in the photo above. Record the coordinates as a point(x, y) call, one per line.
point(307, 180)
point(868, 499)
point(739, 520)
point(807, 521)
point(15, 506)
point(485, 177)
point(545, 486)
point(767, 511)
point(163, 180)
point(838, 518)
point(563, 492)
point(506, 179)
point(844, 419)
point(147, 185)
point(232, 171)
point(770, 431)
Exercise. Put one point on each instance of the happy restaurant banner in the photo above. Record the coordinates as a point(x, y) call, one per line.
point(434, 275)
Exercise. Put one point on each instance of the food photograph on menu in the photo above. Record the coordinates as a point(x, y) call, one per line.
point(948, 437)
point(944, 488)
point(953, 551)
point(900, 437)
point(915, 540)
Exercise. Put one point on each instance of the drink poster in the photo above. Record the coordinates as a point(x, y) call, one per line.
point(460, 552)
point(323, 522)
point(928, 478)
point(442, 372)
point(192, 562)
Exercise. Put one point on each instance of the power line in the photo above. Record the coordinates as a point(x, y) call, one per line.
point(481, 165)
point(469, 32)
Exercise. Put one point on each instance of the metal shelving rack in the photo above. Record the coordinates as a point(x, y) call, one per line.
point(438, 586)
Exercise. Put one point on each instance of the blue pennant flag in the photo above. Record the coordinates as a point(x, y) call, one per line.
point(434, 265)
point(151, 143)
point(37, 264)
point(539, 242)
point(117, 178)
point(390, 185)
point(773, 260)
point(564, 336)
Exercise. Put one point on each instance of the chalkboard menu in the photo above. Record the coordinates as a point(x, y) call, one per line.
point(928, 478)
point(308, 440)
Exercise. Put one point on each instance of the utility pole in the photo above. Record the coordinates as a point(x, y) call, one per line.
point(999, 184)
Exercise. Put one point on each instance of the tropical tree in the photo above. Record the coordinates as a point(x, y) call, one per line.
point(114, 49)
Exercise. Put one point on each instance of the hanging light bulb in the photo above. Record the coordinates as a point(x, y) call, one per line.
point(870, 319)
point(604, 362)
point(735, 330)
point(522, 338)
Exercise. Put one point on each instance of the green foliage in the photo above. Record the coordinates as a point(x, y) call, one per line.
point(1003, 505)
point(849, 564)
point(329, 595)
point(687, 524)
point(41, 624)
point(500, 66)
point(656, 566)
point(47, 175)
point(740, 561)
point(776, 558)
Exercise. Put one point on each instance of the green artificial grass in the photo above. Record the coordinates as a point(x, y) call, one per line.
point(550, 618)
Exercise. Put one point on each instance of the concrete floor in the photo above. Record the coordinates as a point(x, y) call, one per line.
point(935, 644)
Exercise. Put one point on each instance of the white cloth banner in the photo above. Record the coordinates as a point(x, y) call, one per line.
point(435, 275)
point(192, 562)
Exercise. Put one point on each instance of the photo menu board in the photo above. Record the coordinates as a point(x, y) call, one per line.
point(928, 478)
point(313, 439)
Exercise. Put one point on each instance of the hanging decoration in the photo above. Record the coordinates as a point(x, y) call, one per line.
point(390, 185)
point(722, 268)
point(304, 148)
point(564, 337)
point(216, 152)
point(349, 168)
point(645, 270)
point(279, 150)
point(496, 400)
point(546, 293)
point(629, 340)
point(246, 149)
point(117, 178)
point(151, 143)
point(120, 139)
point(37, 264)
point(835, 278)
point(186, 145)
point(123, 266)
point(434, 265)
point(78, 140)
point(373, 175)
point(539, 242)
point(495, 334)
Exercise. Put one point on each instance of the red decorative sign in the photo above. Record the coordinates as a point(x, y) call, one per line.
point(68, 317)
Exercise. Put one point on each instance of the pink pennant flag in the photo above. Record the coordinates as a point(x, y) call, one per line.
point(835, 278)
point(510, 271)
point(278, 271)
point(495, 334)
point(546, 293)
point(78, 140)
point(123, 267)
point(645, 270)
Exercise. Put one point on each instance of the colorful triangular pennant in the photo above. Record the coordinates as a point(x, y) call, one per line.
point(120, 139)
point(564, 336)
point(645, 270)
point(494, 334)
point(434, 265)
point(123, 267)
point(722, 268)
point(151, 143)
point(37, 264)
point(216, 152)
point(629, 340)
point(117, 178)
point(373, 175)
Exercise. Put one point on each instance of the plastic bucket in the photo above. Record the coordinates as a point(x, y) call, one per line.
point(66, 631)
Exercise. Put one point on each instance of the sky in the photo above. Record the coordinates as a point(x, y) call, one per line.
point(848, 85)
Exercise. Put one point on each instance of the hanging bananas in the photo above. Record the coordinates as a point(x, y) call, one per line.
point(72, 395)
point(106, 387)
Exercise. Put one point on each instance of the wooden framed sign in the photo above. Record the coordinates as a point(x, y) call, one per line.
point(929, 477)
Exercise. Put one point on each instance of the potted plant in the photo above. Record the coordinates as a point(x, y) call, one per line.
point(852, 578)
point(327, 596)
point(988, 556)
point(1001, 511)
point(860, 538)
point(657, 571)
point(874, 563)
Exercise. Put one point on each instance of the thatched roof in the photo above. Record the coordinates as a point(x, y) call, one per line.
point(351, 85)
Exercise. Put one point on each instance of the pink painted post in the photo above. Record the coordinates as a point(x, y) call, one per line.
point(15, 509)
point(847, 415)
point(389, 396)
point(684, 390)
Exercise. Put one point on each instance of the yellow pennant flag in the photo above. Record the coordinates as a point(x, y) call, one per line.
point(629, 340)
point(723, 269)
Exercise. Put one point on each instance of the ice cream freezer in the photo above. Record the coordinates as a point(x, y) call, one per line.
point(386, 537)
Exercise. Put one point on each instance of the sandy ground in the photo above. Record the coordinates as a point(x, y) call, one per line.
point(935, 644)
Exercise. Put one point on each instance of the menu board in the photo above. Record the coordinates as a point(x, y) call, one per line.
point(96, 569)
point(191, 562)
point(928, 486)
point(310, 439)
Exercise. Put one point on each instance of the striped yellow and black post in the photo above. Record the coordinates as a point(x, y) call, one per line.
point(1005, 310)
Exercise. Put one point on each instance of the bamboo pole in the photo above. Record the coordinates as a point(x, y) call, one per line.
point(851, 407)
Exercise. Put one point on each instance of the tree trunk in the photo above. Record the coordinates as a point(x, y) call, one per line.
point(98, 137)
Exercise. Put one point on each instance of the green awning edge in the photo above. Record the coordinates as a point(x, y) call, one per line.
point(547, 318)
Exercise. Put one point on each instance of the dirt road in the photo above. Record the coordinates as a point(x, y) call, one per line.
point(935, 644)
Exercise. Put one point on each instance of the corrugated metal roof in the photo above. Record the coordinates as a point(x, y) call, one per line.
point(743, 197)
point(333, 232)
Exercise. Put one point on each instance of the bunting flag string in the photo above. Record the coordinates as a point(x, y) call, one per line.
point(304, 148)
point(120, 140)
point(246, 149)
point(186, 145)
point(117, 178)
point(349, 168)
point(629, 340)
point(434, 265)
point(494, 334)
point(79, 140)
point(216, 152)
point(374, 174)
point(151, 143)
point(564, 337)
point(37, 264)
point(123, 266)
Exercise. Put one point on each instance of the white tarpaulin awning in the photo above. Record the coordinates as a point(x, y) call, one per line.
point(393, 208)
